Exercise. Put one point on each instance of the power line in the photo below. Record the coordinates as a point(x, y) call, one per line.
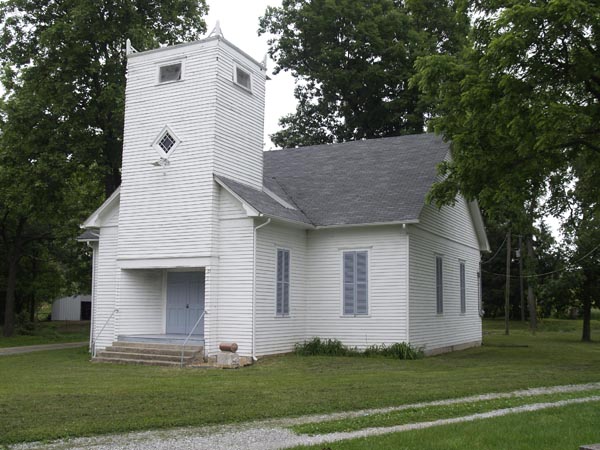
point(495, 254)
point(547, 273)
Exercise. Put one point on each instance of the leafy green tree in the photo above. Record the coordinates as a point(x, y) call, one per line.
point(352, 61)
point(73, 51)
point(63, 69)
point(521, 105)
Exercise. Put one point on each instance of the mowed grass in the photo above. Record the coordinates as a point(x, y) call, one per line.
point(58, 394)
point(562, 428)
point(49, 333)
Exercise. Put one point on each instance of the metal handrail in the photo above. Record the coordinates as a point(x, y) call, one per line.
point(101, 330)
point(188, 337)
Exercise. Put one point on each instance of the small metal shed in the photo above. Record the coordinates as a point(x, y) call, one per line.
point(76, 307)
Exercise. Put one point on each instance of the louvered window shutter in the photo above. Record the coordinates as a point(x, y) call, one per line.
point(355, 283)
point(439, 284)
point(283, 282)
point(463, 296)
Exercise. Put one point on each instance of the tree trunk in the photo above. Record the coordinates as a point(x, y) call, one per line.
point(530, 294)
point(507, 288)
point(521, 293)
point(586, 336)
point(9, 308)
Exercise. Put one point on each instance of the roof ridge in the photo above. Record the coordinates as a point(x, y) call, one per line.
point(335, 144)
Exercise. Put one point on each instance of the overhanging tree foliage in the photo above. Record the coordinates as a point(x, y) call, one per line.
point(521, 105)
point(63, 69)
point(352, 61)
point(73, 51)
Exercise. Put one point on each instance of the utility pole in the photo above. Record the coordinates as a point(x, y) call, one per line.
point(521, 293)
point(530, 294)
point(507, 288)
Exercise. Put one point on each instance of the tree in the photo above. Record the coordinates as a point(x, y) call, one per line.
point(521, 105)
point(63, 68)
point(74, 51)
point(352, 61)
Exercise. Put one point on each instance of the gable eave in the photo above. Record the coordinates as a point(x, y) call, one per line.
point(477, 219)
point(93, 221)
point(249, 209)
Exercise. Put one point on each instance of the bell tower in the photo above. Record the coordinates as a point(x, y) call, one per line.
point(192, 111)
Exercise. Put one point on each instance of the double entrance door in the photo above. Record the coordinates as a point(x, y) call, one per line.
point(185, 302)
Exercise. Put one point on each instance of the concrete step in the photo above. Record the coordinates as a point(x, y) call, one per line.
point(136, 361)
point(144, 345)
point(144, 356)
point(152, 351)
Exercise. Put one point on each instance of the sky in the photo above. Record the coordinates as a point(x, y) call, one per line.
point(239, 25)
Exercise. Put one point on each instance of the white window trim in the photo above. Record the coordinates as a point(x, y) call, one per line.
point(235, 80)
point(170, 62)
point(159, 150)
point(341, 258)
point(289, 313)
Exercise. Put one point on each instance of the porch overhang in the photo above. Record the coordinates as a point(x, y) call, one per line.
point(167, 263)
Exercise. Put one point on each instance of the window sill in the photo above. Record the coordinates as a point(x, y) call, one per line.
point(355, 316)
point(169, 82)
point(282, 316)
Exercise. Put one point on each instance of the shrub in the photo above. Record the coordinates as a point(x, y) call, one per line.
point(398, 350)
point(316, 346)
point(333, 347)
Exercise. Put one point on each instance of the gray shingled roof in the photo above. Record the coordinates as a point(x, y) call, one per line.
point(359, 182)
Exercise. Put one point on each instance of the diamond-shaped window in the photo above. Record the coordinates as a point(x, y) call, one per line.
point(166, 142)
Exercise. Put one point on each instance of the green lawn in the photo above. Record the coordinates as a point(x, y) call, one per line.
point(564, 428)
point(49, 333)
point(48, 395)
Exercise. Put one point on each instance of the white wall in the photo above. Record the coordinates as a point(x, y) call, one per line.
point(279, 334)
point(239, 121)
point(447, 232)
point(105, 289)
point(234, 273)
point(141, 302)
point(387, 319)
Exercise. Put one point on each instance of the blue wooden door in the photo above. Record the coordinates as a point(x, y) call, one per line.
point(185, 302)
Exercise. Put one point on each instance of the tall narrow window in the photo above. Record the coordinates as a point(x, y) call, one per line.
point(356, 283)
point(283, 282)
point(463, 294)
point(439, 284)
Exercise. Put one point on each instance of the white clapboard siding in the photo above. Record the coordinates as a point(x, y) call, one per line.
point(162, 209)
point(387, 318)
point(220, 128)
point(105, 288)
point(141, 302)
point(450, 233)
point(279, 334)
point(239, 120)
point(234, 272)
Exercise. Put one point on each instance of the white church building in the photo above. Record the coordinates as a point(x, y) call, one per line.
point(213, 238)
